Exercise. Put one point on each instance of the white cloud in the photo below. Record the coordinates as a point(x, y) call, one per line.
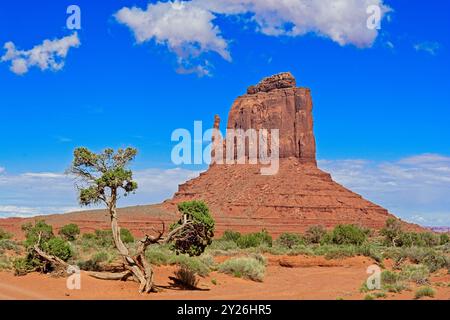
point(2, 170)
point(429, 47)
point(30, 194)
point(343, 21)
point(48, 55)
point(415, 188)
point(188, 28)
point(185, 29)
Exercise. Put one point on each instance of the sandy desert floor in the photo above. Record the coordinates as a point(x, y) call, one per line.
point(309, 278)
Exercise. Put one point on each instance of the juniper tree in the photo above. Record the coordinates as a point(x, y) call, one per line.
point(105, 177)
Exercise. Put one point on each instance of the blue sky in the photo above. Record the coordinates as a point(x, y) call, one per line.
point(381, 101)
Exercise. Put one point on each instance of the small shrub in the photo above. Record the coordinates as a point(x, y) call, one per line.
point(58, 247)
point(392, 231)
point(199, 265)
point(418, 273)
point(70, 232)
point(229, 235)
point(253, 240)
point(32, 233)
point(315, 234)
point(289, 240)
point(21, 266)
point(159, 255)
point(391, 282)
point(444, 238)
point(425, 292)
point(214, 282)
point(348, 234)
point(244, 267)
point(369, 297)
point(5, 235)
point(6, 244)
point(200, 235)
point(380, 295)
point(186, 277)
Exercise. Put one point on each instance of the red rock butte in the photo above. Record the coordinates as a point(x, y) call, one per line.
point(240, 198)
point(300, 194)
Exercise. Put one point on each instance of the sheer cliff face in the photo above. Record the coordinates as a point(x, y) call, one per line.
point(276, 103)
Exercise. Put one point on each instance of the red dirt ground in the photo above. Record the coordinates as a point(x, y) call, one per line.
point(310, 278)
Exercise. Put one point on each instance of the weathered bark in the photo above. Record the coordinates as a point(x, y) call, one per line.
point(138, 267)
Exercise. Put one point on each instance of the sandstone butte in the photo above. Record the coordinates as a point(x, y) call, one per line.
point(300, 195)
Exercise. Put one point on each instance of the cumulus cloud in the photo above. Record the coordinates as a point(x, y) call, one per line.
point(36, 193)
point(189, 29)
point(49, 55)
point(186, 29)
point(343, 21)
point(428, 47)
point(415, 188)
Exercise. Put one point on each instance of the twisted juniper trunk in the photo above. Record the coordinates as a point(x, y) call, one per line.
point(139, 268)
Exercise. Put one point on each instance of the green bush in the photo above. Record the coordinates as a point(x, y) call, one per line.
point(58, 247)
point(32, 233)
point(289, 240)
point(70, 232)
point(104, 238)
point(348, 234)
point(425, 292)
point(5, 235)
point(229, 235)
point(7, 244)
point(244, 267)
point(444, 238)
point(315, 234)
point(200, 235)
point(253, 240)
point(392, 231)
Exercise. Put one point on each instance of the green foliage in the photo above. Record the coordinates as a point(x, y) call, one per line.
point(194, 239)
point(444, 238)
point(253, 240)
point(315, 234)
point(244, 267)
point(70, 232)
point(48, 242)
point(425, 292)
point(58, 247)
point(5, 235)
point(162, 255)
point(289, 240)
point(7, 244)
point(369, 297)
point(391, 231)
point(104, 173)
point(418, 273)
point(104, 238)
point(40, 229)
point(229, 235)
point(348, 234)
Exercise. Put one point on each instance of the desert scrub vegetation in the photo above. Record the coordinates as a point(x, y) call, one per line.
point(424, 292)
point(5, 235)
point(163, 255)
point(185, 278)
point(70, 232)
point(39, 240)
point(289, 240)
point(244, 267)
